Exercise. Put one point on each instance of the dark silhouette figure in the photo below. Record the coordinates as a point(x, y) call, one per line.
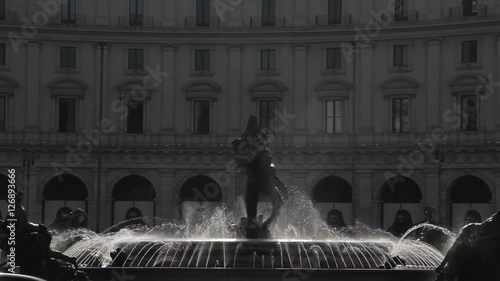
point(475, 254)
point(402, 223)
point(133, 220)
point(255, 157)
point(61, 222)
point(472, 216)
point(335, 219)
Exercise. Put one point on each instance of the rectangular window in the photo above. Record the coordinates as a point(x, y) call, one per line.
point(267, 114)
point(68, 57)
point(400, 115)
point(268, 59)
point(334, 11)
point(202, 12)
point(468, 116)
point(469, 51)
point(469, 8)
point(3, 113)
point(68, 11)
point(333, 58)
point(268, 12)
point(202, 60)
point(67, 115)
point(136, 12)
point(401, 10)
point(3, 54)
point(400, 57)
point(334, 116)
point(2, 10)
point(136, 59)
point(135, 117)
point(201, 117)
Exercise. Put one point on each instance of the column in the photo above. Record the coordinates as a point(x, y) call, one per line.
point(300, 13)
point(433, 79)
point(365, 94)
point(35, 210)
point(165, 207)
point(98, 84)
point(497, 80)
point(234, 89)
point(168, 93)
point(169, 14)
point(300, 94)
point(105, 204)
point(102, 13)
point(33, 87)
point(363, 206)
point(432, 189)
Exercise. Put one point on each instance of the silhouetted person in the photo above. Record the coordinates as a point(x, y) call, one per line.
point(472, 216)
point(402, 223)
point(335, 219)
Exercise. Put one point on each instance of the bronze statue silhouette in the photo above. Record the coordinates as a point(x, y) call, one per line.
point(255, 158)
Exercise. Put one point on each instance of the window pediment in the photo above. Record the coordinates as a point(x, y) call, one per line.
point(67, 86)
point(401, 85)
point(467, 83)
point(333, 88)
point(202, 89)
point(7, 85)
point(267, 89)
point(135, 88)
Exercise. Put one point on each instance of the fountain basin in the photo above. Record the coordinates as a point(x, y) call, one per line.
point(196, 274)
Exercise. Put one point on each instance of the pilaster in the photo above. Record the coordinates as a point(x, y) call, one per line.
point(433, 78)
point(300, 94)
point(33, 87)
point(234, 88)
point(168, 91)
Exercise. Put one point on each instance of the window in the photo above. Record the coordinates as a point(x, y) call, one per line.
point(67, 115)
point(469, 8)
point(68, 57)
point(201, 117)
point(400, 115)
point(400, 57)
point(401, 10)
point(135, 117)
point(2, 10)
point(268, 59)
point(334, 11)
point(68, 11)
point(136, 12)
point(202, 60)
point(3, 54)
point(202, 12)
point(469, 51)
point(468, 116)
point(334, 116)
point(333, 58)
point(136, 59)
point(267, 114)
point(268, 12)
point(3, 114)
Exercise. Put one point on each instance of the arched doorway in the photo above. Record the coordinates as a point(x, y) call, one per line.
point(401, 193)
point(470, 193)
point(63, 191)
point(199, 194)
point(133, 192)
point(333, 193)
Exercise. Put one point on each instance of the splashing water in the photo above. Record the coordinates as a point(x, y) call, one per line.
point(300, 239)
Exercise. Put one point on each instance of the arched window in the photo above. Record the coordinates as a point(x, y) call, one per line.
point(63, 191)
point(199, 189)
point(399, 193)
point(333, 193)
point(133, 192)
point(470, 189)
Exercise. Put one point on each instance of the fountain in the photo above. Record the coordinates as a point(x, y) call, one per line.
point(291, 242)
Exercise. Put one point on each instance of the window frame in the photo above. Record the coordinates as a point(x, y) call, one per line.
point(336, 115)
point(334, 10)
point(76, 113)
point(74, 59)
point(465, 8)
point(206, 54)
point(136, 16)
point(269, 117)
point(464, 53)
point(401, 12)
point(267, 64)
point(68, 11)
point(3, 54)
point(203, 13)
point(462, 113)
point(268, 12)
point(400, 115)
point(3, 10)
point(336, 61)
point(401, 53)
point(128, 128)
point(3, 125)
point(132, 63)
point(195, 128)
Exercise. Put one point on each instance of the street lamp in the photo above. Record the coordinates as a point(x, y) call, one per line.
point(28, 161)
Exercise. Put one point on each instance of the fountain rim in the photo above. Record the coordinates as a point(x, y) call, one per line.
point(276, 240)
